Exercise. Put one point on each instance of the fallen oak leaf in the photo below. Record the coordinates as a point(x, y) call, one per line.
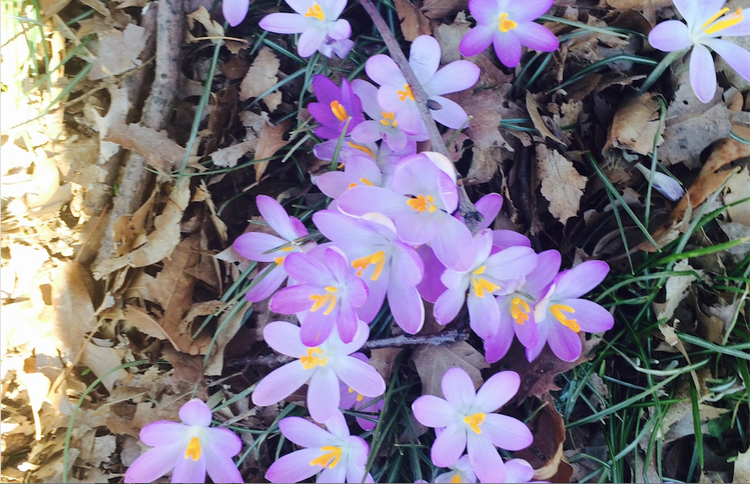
point(118, 51)
point(261, 77)
point(270, 140)
point(562, 185)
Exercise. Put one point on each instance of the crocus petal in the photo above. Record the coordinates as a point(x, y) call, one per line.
point(507, 48)
point(293, 299)
point(497, 391)
point(335, 475)
point(360, 337)
point(433, 411)
point(155, 463)
point(384, 71)
point(275, 215)
point(424, 57)
point(506, 432)
point(590, 316)
point(527, 332)
point(189, 470)
point(453, 245)
point(408, 267)
point(518, 470)
point(430, 288)
point(222, 468)
point(536, 36)
point(280, 383)
point(363, 199)
point(417, 228)
point(489, 206)
point(304, 433)
point(310, 40)
point(196, 413)
point(367, 132)
point(284, 338)
point(396, 138)
point(548, 263)
point(252, 246)
point(407, 115)
point(503, 239)
point(705, 9)
point(360, 376)
point(450, 114)
point(317, 326)
point(497, 346)
point(741, 29)
point(294, 467)
point(265, 287)
point(448, 305)
point(449, 445)
point(406, 306)
point(458, 388)
point(702, 73)
point(337, 425)
point(374, 303)
point(564, 343)
point(323, 394)
point(222, 441)
point(734, 55)
point(670, 36)
point(454, 77)
point(543, 332)
point(234, 11)
point(162, 432)
point(581, 279)
point(485, 460)
point(476, 40)
point(484, 315)
point(689, 9)
point(483, 9)
point(284, 23)
point(526, 11)
point(340, 29)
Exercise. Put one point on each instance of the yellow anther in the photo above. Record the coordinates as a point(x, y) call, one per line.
point(330, 458)
point(725, 23)
point(360, 148)
point(456, 478)
point(481, 285)
point(422, 203)
point(316, 12)
point(519, 310)
point(193, 450)
point(280, 260)
point(557, 312)
point(339, 111)
point(360, 397)
point(313, 358)
point(406, 94)
point(377, 259)
point(389, 119)
point(475, 421)
point(505, 24)
point(321, 300)
point(479, 271)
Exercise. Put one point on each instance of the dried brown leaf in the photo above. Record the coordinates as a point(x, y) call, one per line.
point(533, 108)
point(736, 190)
point(383, 359)
point(261, 77)
point(437, 9)
point(117, 51)
point(432, 362)
point(160, 152)
point(638, 4)
point(213, 28)
point(229, 329)
point(229, 156)
point(270, 140)
point(742, 467)
point(635, 124)
point(413, 22)
point(562, 185)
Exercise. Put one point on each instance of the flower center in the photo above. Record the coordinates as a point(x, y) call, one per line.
point(316, 12)
point(360, 397)
point(360, 148)
point(481, 284)
point(330, 458)
point(724, 23)
point(280, 260)
point(193, 450)
point(505, 24)
point(377, 259)
point(406, 94)
point(364, 181)
point(456, 478)
point(339, 111)
point(519, 310)
point(310, 360)
point(557, 312)
point(322, 299)
point(422, 203)
point(475, 421)
point(389, 119)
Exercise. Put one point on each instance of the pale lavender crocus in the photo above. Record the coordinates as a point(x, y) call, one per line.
point(467, 421)
point(499, 273)
point(461, 471)
point(321, 367)
point(517, 308)
point(318, 23)
point(386, 264)
point(333, 454)
point(191, 448)
point(508, 25)
point(327, 296)
point(663, 183)
point(423, 198)
point(706, 22)
point(366, 408)
point(336, 105)
point(258, 246)
point(395, 94)
point(561, 314)
point(383, 124)
point(234, 11)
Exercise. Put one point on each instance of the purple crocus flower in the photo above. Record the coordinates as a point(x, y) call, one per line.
point(387, 265)
point(321, 367)
point(358, 170)
point(254, 245)
point(335, 455)
point(423, 197)
point(507, 25)
point(191, 448)
point(706, 21)
point(327, 296)
point(499, 273)
point(461, 471)
point(234, 11)
point(383, 124)
point(517, 308)
point(318, 22)
point(369, 407)
point(336, 105)
point(560, 314)
point(395, 94)
point(467, 420)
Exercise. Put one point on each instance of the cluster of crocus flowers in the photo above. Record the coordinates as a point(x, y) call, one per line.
point(706, 22)
point(192, 448)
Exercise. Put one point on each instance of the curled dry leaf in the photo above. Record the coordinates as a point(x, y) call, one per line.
point(562, 185)
point(635, 125)
point(433, 361)
point(533, 108)
point(413, 22)
point(213, 28)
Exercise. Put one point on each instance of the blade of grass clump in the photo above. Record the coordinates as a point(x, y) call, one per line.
point(613, 31)
point(652, 173)
point(603, 63)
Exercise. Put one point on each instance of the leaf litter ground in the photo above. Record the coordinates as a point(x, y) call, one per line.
point(133, 284)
